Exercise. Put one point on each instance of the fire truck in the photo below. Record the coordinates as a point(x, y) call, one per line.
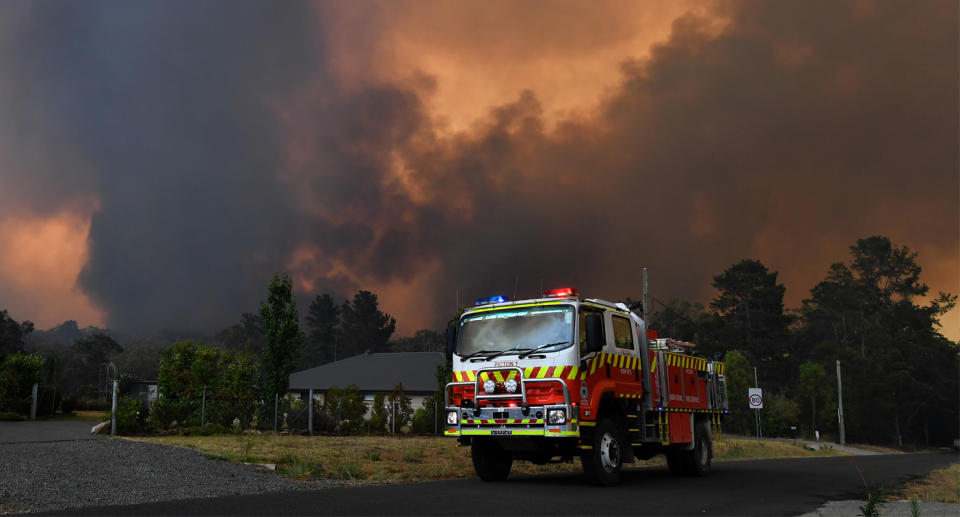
point(549, 379)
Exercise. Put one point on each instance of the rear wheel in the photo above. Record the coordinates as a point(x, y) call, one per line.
point(491, 461)
point(676, 462)
point(604, 461)
point(700, 459)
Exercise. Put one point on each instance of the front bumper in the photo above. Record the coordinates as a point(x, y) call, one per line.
point(511, 420)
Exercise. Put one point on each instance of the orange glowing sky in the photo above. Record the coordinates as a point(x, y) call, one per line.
point(463, 61)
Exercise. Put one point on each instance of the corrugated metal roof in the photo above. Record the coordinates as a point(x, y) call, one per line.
point(374, 372)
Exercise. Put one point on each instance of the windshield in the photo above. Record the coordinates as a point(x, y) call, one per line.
point(522, 329)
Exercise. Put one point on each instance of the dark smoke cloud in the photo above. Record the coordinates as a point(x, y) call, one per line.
point(219, 146)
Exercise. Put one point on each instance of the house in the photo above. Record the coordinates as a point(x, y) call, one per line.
point(374, 373)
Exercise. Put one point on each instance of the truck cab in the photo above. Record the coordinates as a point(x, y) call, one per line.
point(553, 378)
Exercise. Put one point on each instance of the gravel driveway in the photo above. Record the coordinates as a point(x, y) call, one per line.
point(50, 476)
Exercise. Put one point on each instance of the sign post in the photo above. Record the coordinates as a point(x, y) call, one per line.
point(756, 402)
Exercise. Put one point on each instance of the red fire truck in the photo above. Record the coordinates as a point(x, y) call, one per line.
point(548, 379)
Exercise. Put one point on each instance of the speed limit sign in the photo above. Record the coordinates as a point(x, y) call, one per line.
point(756, 398)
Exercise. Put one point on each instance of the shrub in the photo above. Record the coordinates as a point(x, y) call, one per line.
point(18, 373)
point(69, 404)
point(189, 369)
point(349, 470)
point(412, 455)
point(132, 416)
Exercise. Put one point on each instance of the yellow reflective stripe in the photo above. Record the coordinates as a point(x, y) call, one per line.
point(513, 373)
point(654, 365)
point(513, 432)
point(543, 372)
point(593, 365)
point(498, 376)
point(538, 304)
point(558, 371)
point(527, 372)
point(588, 423)
point(471, 375)
point(573, 372)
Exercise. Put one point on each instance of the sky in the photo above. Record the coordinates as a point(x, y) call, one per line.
point(159, 161)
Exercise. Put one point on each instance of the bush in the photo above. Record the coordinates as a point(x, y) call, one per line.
point(187, 369)
point(69, 404)
point(18, 373)
point(132, 416)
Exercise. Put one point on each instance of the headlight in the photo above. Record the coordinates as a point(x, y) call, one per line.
point(556, 416)
point(489, 386)
point(451, 418)
point(510, 386)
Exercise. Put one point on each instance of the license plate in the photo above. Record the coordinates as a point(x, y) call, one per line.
point(501, 432)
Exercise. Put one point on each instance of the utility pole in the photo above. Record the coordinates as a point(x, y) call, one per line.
point(756, 384)
point(843, 437)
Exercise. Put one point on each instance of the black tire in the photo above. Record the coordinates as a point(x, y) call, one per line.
point(491, 461)
point(677, 462)
point(604, 461)
point(700, 459)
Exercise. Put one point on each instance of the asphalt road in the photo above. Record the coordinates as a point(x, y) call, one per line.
point(767, 487)
point(38, 431)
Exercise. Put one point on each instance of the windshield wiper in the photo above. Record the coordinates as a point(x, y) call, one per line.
point(541, 347)
point(474, 354)
point(507, 351)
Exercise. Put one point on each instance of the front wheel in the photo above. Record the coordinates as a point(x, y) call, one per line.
point(491, 461)
point(604, 461)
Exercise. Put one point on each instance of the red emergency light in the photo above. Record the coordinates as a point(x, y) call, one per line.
point(563, 292)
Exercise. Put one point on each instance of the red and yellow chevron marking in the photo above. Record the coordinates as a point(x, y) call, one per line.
point(720, 368)
point(535, 372)
point(614, 360)
point(685, 361)
point(629, 395)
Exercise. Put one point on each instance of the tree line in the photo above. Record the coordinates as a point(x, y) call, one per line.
point(899, 373)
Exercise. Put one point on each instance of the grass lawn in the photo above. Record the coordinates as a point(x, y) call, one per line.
point(940, 486)
point(81, 416)
point(405, 459)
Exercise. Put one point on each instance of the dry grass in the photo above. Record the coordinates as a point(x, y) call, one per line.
point(938, 486)
point(81, 416)
point(407, 459)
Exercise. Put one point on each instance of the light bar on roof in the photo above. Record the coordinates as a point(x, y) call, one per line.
point(492, 299)
point(563, 292)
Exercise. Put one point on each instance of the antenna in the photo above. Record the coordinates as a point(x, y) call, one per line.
point(645, 294)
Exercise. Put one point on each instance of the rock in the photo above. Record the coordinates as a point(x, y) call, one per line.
point(101, 428)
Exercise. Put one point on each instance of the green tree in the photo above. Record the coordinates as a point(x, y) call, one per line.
point(97, 349)
point(677, 319)
point(739, 375)
point(245, 336)
point(364, 326)
point(189, 368)
point(813, 387)
point(346, 408)
point(424, 340)
point(749, 313)
point(399, 411)
point(378, 413)
point(18, 373)
point(323, 318)
point(900, 381)
point(12, 334)
point(283, 338)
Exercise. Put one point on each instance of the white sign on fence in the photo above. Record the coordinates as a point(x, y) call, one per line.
point(756, 398)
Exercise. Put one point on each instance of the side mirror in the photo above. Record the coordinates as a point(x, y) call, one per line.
point(594, 332)
point(451, 341)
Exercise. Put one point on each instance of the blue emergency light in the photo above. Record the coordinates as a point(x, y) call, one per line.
point(492, 299)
